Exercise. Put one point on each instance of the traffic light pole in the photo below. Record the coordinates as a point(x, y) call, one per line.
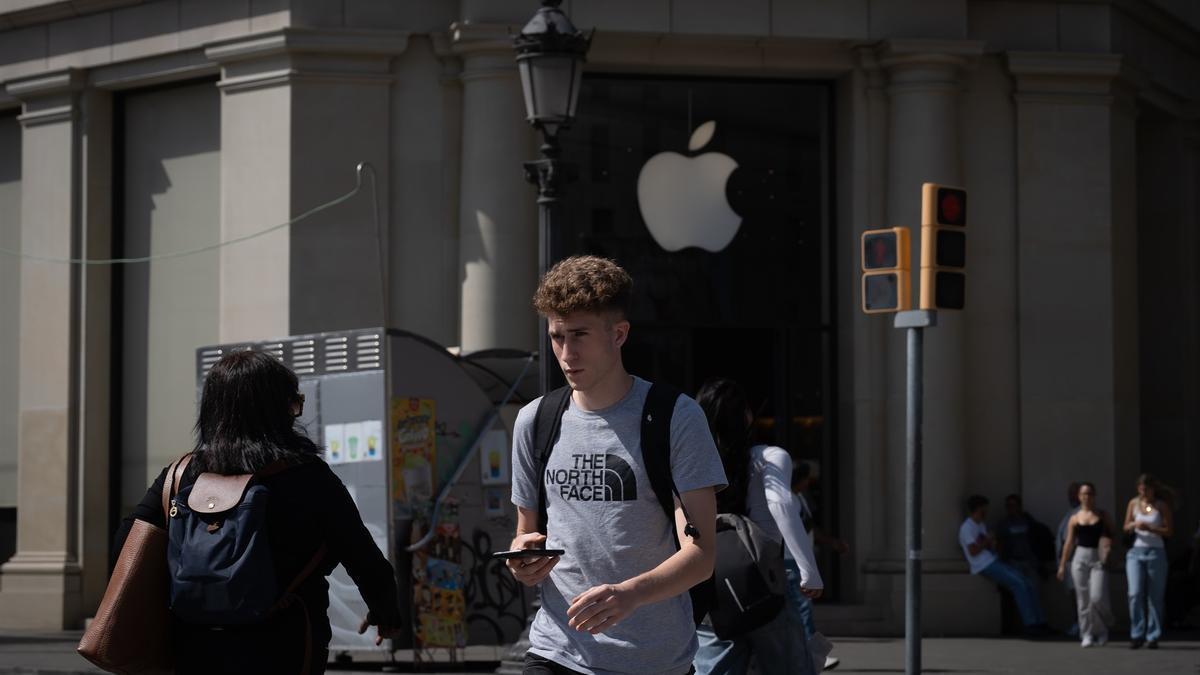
point(915, 323)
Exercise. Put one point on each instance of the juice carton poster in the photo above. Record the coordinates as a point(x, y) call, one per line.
point(335, 443)
point(372, 436)
point(493, 458)
point(356, 443)
point(414, 449)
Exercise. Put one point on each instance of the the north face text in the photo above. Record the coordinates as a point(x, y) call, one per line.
point(594, 478)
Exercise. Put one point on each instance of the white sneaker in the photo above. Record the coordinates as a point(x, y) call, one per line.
point(831, 662)
point(1086, 642)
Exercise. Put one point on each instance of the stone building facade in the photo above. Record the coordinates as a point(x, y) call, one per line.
point(132, 129)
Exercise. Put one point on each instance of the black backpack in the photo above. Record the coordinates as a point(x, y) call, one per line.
point(656, 453)
point(749, 579)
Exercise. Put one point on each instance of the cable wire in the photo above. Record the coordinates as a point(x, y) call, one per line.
point(358, 183)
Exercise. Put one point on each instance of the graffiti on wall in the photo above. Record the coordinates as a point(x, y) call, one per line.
point(495, 600)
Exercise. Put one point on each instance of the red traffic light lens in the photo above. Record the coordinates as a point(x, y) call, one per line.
point(879, 251)
point(951, 207)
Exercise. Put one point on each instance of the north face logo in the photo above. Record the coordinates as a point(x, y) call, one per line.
point(594, 478)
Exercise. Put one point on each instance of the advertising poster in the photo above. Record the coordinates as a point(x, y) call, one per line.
point(334, 443)
point(439, 600)
point(372, 436)
point(414, 445)
point(355, 443)
point(493, 458)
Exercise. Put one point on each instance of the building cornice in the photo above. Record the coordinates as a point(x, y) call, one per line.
point(342, 42)
point(32, 12)
point(41, 85)
point(1069, 78)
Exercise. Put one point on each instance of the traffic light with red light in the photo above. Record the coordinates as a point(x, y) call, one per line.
point(886, 277)
point(943, 246)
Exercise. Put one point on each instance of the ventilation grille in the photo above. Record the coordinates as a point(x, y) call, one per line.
point(325, 353)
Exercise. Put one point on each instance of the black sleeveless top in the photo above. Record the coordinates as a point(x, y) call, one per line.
point(1088, 536)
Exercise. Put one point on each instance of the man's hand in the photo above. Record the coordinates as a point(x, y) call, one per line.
point(841, 547)
point(600, 608)
point(388, 632)
point(811, 593)
point(530, 571)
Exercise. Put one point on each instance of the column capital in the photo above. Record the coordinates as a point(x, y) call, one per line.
point(288, 54)
point(924, 65)
point(486, 51)
point(1077, 78)
point(47, 98)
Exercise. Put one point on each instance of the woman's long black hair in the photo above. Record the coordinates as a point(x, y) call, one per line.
point(246, 415)
point(728, 411)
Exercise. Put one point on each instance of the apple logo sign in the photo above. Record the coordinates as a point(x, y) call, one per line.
point(682, 199)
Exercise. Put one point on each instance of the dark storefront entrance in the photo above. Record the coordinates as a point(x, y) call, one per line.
point(757, 310)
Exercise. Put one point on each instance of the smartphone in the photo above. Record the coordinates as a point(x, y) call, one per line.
point(527, 553)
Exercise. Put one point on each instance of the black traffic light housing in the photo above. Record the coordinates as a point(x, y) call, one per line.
point(943, 246)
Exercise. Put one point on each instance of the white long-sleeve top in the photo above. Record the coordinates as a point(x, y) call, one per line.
point(771, 505)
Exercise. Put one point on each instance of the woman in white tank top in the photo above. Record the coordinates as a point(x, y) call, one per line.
point(1148, 519)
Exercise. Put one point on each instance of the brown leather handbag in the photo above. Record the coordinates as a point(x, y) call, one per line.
point(132, 629)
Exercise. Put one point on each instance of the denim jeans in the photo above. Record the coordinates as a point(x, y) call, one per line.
point(798, 604)
point(1023, 590)
point(1146, 571)
point(778, 647)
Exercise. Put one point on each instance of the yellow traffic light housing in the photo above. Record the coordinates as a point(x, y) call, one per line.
point(943, 246)
point(886, 285)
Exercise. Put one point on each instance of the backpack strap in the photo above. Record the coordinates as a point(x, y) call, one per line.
point(546, 426)
point(656, 454)
point(171, 485)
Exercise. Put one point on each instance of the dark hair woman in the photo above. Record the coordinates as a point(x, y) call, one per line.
point(760, 479)
point(1148, 518)
point(1089, 542)
point(247, 425)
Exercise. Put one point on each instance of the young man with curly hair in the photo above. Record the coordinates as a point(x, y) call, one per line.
point(617, 600)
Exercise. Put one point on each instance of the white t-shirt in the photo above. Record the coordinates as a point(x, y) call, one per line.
point(771, 504)
point(968, 534)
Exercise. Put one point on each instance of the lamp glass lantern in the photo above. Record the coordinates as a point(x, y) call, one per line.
point(550, 56)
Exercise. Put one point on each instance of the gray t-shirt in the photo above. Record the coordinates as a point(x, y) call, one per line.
point(603, 512)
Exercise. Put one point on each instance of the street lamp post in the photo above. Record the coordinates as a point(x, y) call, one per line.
point(550, 56)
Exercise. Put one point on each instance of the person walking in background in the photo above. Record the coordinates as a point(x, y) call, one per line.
point(800, 604)
point(1148, 519)
point(247, 425)
point(759, 488)
point(1089, 542)
point(1060, 540)
point(978, 546)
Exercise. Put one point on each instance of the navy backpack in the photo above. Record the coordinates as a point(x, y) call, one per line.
point(222, 571)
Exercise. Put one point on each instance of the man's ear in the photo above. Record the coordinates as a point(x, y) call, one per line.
point(620, 333)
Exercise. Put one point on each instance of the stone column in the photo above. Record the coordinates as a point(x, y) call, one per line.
point(40, 586)
point(1077, 269)
point(300, 108)
point(924, 80)
point(498, 253)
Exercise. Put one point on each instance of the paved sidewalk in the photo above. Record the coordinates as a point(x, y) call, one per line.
point(54, 654)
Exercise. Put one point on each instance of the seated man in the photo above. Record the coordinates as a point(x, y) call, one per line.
point(978, 546)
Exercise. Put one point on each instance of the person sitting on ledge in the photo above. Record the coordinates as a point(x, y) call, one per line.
point(979, 546)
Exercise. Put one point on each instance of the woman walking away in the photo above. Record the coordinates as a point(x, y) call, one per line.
point(1089, 532)
point(256, 521)
point(760, 489)
point(1148, 519)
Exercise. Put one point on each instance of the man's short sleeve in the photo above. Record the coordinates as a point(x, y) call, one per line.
point(966, 537)
point(695, 462)
point(524, 480)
